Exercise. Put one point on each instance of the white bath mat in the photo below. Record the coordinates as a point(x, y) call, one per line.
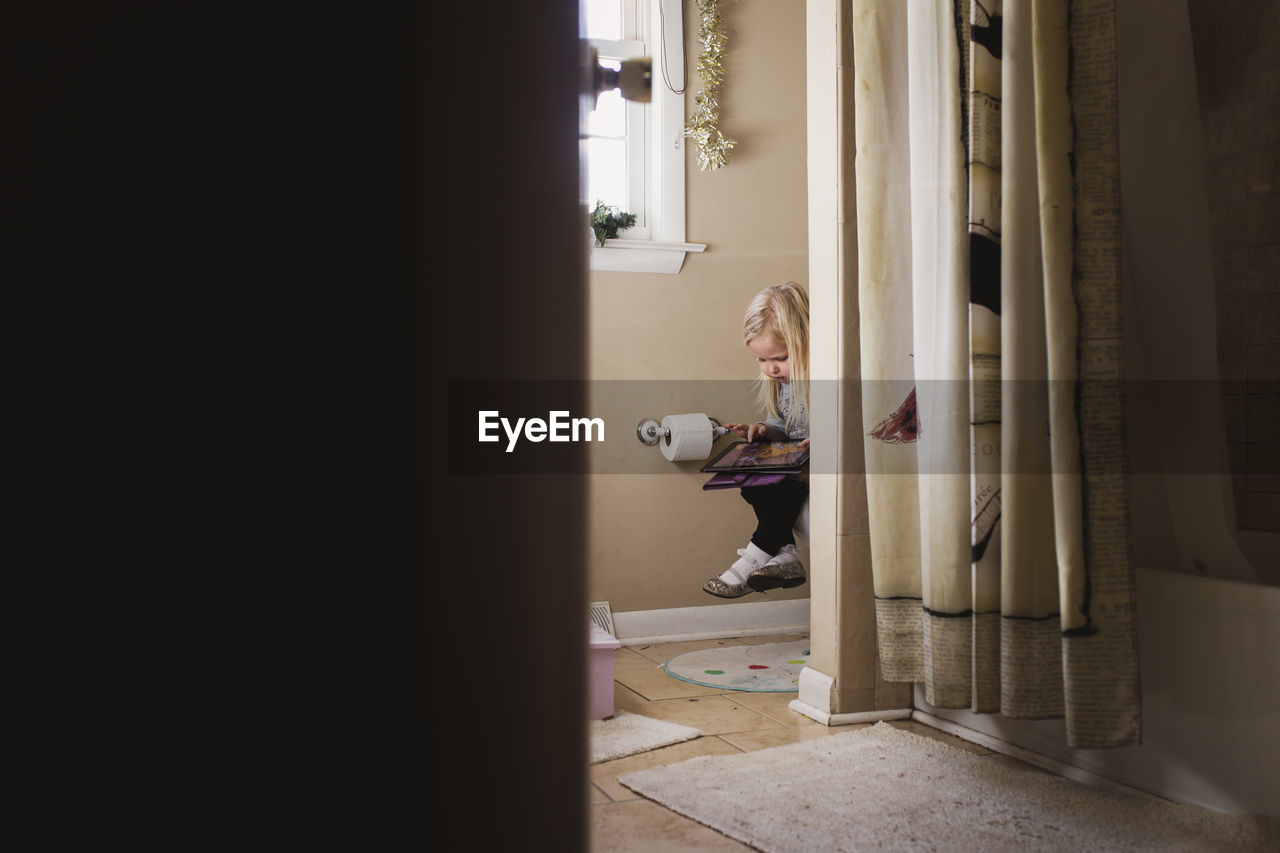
point(881, 788)
point(626, 734)
point(766, 668)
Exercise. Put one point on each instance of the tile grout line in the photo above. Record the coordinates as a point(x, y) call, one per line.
point(729, 743)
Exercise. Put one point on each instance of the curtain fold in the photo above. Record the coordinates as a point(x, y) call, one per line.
point(989, 291)
point(883, 189)
point(1030, 632)
point(940, 301)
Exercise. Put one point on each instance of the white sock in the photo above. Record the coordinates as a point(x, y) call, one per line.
point(753, 558)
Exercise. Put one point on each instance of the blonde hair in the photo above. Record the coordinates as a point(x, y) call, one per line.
point(781, 312)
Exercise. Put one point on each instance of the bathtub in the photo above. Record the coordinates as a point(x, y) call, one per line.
point(1210, 652)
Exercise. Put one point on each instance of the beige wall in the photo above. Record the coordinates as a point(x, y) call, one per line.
point(655, 537)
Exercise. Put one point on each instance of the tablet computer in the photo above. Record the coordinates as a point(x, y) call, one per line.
point(781, 457)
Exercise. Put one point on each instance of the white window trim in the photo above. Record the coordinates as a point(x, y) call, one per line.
point(620, 255)
point(665, 250)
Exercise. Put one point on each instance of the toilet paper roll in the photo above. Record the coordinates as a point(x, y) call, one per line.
point(688, 437)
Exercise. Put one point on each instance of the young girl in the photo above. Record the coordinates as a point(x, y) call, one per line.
point(776, 330)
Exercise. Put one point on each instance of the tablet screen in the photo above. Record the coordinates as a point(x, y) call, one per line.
point(761, 455)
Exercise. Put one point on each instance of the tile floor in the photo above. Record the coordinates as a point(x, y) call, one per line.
point(732, 721)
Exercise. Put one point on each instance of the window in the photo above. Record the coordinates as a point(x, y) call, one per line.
point(633, 153)
point(614, 148)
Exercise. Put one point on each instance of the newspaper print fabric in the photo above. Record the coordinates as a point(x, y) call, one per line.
point(1031, 625)
point(985, 156)
point(969, 122)
point(890, 417)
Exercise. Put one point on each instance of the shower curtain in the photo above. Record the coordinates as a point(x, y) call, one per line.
point(988, 223)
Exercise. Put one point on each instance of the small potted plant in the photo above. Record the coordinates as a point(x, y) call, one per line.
point(608, 220)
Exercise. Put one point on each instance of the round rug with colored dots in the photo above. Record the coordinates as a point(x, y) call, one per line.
point(766, 668)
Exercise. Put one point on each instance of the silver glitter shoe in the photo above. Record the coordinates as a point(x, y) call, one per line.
point(784, 570)
point(719, 588)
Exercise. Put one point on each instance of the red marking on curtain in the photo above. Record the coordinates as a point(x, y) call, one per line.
point(902, 427)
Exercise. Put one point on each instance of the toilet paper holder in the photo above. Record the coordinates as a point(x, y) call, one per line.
point(650, 431)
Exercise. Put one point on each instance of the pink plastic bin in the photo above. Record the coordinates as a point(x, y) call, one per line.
point(602, 647)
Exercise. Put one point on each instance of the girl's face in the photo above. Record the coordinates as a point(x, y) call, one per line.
point(772, 358)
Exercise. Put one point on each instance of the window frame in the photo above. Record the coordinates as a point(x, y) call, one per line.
point(660, 247)
point(636, 139)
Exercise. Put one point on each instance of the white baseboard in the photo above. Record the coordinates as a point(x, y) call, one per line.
point(816, 697)
point(712, 622)
point(853, 718)
point(816, 693)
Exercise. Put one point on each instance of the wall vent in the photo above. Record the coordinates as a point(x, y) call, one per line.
point(602, 616)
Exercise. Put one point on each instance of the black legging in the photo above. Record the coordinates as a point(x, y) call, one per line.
point(776, 509)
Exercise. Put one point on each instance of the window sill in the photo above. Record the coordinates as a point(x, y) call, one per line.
point(641, 256)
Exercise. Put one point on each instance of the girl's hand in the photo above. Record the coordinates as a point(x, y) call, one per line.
point(751, 432)
point(803, 445)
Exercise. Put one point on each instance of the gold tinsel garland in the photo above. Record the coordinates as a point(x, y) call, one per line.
point(713, 147)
